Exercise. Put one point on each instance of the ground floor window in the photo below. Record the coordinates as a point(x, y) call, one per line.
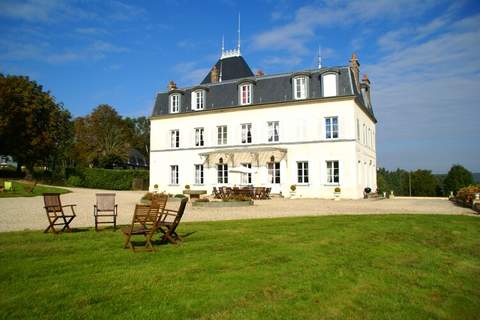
point(222, 173)
point(333, 172)
point(302, 172)
point(274, 172)
point(199, 174)
point(174, 174)
point(246, 178)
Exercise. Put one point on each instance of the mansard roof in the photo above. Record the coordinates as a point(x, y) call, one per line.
point(230, 68)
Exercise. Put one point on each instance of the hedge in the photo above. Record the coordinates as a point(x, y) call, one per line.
point(110, 179)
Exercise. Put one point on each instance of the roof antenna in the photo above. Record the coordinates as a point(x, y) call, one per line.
point(223, 45)
point(221, 71)
point(238, 43)
point(319, 58)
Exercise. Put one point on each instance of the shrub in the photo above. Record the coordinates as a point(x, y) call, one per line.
point(178, 195)
point(239, 197)
point(293, 187)
point(105, 178)
point(467, 194)
point(10, 173)
point(203, 200)
point(337, 189)
point(187, 186)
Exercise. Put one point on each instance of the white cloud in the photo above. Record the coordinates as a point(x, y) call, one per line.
point(189, 73)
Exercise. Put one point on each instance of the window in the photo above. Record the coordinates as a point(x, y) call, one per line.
point(300, 85)
point(369, 142)
point(174, 103)
point(273, 172)
point(199, 137)
point(222, 173)
point(245, 94)
point(198, 99)
point(174, 174)
point(247, 133)
point(333, 172)
point(273, 131)
point(199, 174)
point(246, 177)
point(302, 172)
point(222, 134)
point(175, 139)
point(329, 82)
point(331, 127)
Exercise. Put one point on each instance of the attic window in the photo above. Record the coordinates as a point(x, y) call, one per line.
point(300, 87)
point(329, 82)
point(174, 103)
point(198, 99)
point(245, 94)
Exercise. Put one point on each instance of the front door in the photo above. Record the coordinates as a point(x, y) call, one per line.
point(274, 176)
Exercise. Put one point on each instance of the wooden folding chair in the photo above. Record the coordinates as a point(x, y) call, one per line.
point(168, 228)
point(144, 223)
point(55, 214)
point(105, 211)
point(159, 200)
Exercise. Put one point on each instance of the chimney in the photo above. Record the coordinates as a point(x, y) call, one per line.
point(259, 73)
point(214, 75)
point(366, 89)
point(355, 65)
point(172, 85)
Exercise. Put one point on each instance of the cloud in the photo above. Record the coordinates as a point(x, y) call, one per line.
point(190, 73)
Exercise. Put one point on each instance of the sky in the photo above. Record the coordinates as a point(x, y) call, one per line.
point(422, 58)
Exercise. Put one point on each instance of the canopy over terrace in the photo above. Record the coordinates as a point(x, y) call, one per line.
point(235, 157)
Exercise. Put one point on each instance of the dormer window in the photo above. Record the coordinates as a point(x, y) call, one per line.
point(329, 82)
point(198, 99)
point(245, 93)
point(174, 103)
point(300, 87)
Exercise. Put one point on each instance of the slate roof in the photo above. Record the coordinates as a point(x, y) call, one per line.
point(266, 89)
point(231, 68)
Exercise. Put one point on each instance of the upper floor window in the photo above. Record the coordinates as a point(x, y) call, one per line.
point(333, 172)
point(329, 82)
point(300, 87)
point(302, 172)
point(273, 131)
point(245, 93)
point(174, 103)
point(222, 135)
point(199, 142)
point(198, 100)
point(175, 138)
point(331, 128)
point(247, 133)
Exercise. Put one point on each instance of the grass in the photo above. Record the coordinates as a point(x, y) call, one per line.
point(19, 190)
point(336, 267)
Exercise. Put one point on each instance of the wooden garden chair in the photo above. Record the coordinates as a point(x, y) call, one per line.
point(55, 213)
point(267, 193)
point(105, 210)
point(144, 223)
point(159, 200)
point(168, 228)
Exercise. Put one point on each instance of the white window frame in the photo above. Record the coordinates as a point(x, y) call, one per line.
point(247, 98)
point(274, 174)
point(246, 178)
point(174, 102)
point(199, 137)
point(199, 176)
point(174, 181)
point(198, 100)
point(247, 135)
point(332, 89)
point(300, 90)
point(332, 177)
point(175, 139)
point(222, 173)
point(273, 131)
point(331, 128)
point(222, 135)
point(302, 172)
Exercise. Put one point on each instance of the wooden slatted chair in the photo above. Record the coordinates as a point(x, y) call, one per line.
point(144, 223)
point(167, 226)
point(159, 200)
point(55, 213)
point(105, 210)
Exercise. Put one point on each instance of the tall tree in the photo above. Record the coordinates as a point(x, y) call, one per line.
point(33, 127)
point(457, 177)
point(424, 183)
point(140, 134)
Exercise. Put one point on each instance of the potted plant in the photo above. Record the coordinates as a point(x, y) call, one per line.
point(336, 193)
point(155, 188)
point(293, 189)
point(187, 187)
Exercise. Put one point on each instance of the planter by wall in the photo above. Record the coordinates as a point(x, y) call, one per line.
point(222, 204)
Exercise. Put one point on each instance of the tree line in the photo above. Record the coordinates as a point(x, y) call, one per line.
point(36, 130)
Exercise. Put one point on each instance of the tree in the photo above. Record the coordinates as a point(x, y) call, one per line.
point(140, 134)
point(457, 177)
point(33, 127)
point(101, 138)
point(424, 183)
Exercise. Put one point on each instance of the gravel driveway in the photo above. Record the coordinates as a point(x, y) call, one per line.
point(28, 213)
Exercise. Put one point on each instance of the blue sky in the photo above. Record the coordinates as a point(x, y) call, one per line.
point(422, 58)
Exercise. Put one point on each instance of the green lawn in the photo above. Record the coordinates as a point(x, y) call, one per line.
point(336, 267)
point(19, 191)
